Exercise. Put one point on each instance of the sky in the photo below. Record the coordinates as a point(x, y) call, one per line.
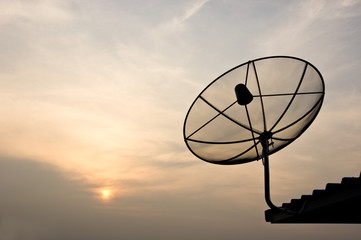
point(93, 100)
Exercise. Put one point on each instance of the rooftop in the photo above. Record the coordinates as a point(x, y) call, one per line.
point(337, 203)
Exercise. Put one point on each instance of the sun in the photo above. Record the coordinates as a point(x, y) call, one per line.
point(106, 194)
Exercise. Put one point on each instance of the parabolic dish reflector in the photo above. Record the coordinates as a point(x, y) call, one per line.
point(286, 96)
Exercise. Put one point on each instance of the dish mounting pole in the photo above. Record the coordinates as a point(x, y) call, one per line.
point(265, 137)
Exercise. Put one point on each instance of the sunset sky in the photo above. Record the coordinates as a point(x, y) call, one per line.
point(93, 99)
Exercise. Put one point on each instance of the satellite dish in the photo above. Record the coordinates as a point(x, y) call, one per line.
point(254, 110)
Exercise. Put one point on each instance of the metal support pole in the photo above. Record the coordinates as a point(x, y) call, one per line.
point(267, 182)
point(265, 145)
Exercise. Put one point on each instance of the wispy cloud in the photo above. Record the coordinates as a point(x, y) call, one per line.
point(307, 24)
point(101, 112)
point(36, 11)
point(192, 10)
point(177, 23)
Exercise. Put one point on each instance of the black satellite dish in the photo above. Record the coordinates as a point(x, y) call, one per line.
point(254, 110)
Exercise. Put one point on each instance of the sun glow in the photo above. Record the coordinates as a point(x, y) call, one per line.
point(106, 194)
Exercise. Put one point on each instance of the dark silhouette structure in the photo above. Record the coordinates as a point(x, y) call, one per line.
point(278, 98)
point(267, 101)
point(337, 203)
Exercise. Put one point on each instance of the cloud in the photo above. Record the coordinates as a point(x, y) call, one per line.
point(177, 23)
point(33, 11)
point(43, 203)
point(194, 8)
point(310, 23)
